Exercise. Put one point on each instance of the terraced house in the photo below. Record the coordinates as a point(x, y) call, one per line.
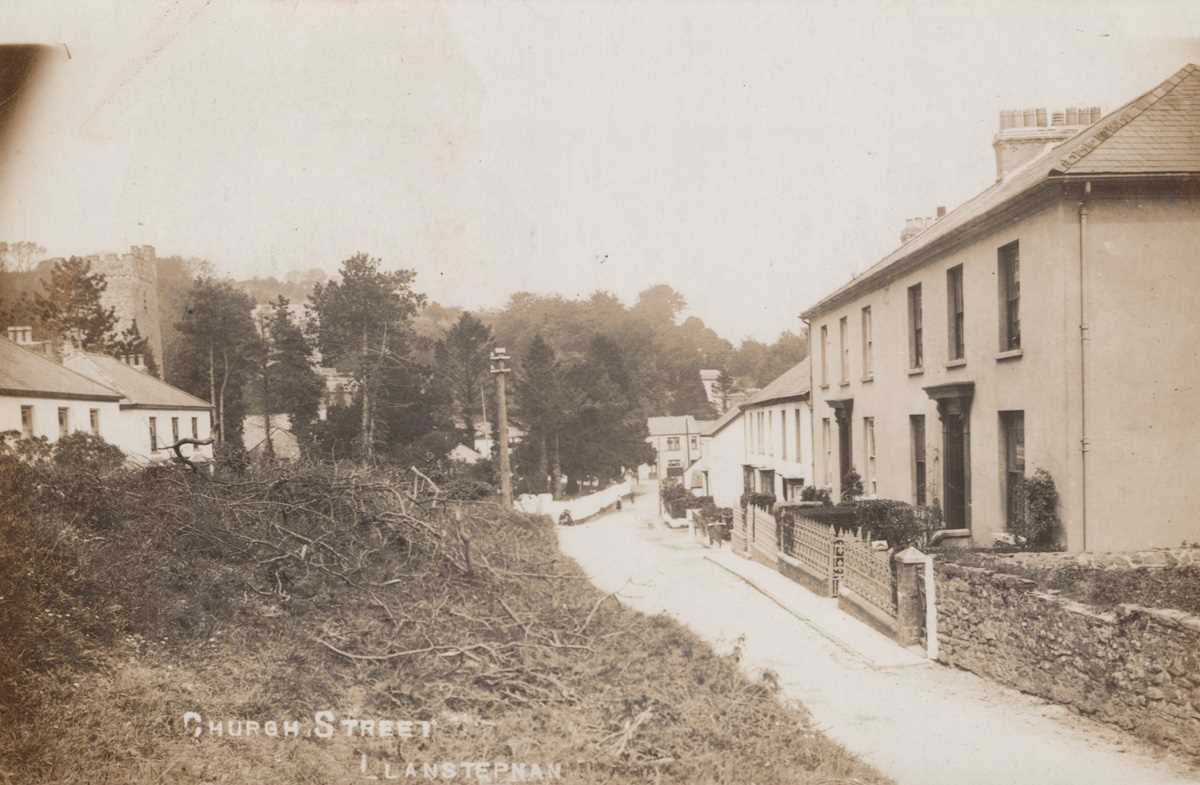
point(1049, 322)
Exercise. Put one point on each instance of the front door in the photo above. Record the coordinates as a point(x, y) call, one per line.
point(954, 473)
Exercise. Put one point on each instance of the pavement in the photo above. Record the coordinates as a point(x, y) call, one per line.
point(915, 720)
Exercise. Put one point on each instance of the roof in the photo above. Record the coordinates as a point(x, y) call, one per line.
point(29, 374)
point(670, 426)
point(792, 383)
point(284, 443)
point(1156, 133)
point(138, 388)
point(716, 426)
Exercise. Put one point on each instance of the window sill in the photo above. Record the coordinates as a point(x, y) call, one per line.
point(916, 371)
point(868, 378)
point(825, 386)
point(844, 384)
point(1011, 354)
point(957, 363)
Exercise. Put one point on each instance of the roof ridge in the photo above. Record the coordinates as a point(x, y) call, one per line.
point(1126, 114)
point(44, 359)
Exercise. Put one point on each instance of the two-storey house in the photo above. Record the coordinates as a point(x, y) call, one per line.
point(1049, 322)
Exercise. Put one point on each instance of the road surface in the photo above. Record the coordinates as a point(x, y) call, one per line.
point(919, 722)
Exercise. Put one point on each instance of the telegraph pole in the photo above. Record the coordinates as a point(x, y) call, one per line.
point(500, 369)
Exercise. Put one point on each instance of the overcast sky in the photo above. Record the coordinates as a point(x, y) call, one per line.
point(752, 155)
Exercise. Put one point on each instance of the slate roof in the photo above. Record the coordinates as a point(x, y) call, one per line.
point(138, 388)
point(792, 383)
point(713, 427)
point(1156, 133)
point(670, 426)
point(28, 374)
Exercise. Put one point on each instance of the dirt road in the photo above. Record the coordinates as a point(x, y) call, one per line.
point(921, 723)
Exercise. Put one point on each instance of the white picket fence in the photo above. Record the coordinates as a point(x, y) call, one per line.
point(579, 508)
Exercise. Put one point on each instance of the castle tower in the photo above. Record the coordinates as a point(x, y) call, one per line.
point(133, 292)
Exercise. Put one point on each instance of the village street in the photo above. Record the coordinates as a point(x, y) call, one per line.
point(920, 723)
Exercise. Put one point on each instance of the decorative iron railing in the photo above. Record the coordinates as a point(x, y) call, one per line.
point(869, 575)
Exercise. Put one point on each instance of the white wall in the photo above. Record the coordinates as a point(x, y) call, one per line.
point(45, 416)
point(132, 433)
point(723, 456)
point(775, 442)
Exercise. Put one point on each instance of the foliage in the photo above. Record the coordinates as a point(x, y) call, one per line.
point(176, 276)
point(297, 585)
point(69, 306)
point(130, 342)
point(287, 381)
point(811, 493)
point(363, 324)
point(218, 352)
point(19, 256)
point(852, 487)
point(543, 403)
point(897, 522)
point(462, 360)
point(724, 389)
point(1039, 524)
point(466, 489)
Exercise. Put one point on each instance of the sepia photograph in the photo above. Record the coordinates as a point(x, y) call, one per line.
point(678, 392)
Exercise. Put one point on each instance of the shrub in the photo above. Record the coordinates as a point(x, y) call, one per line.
point(897, 522)
point(852, 487)
point(467, 490)
point(1039, 524)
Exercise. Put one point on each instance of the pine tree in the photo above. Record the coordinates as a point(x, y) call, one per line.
point(462, 360)
point(540, 400)
point(725, 388)
point(69, 307)
point(289, 383)
point(218, 352)
point(364, 325)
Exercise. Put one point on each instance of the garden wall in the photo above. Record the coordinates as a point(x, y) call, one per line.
point(580, 508)
point(1134, 667)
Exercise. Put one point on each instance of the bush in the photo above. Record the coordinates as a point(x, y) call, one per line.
point(467, 490)
point(852, 487)
point(1039, 524)
point(900, 523)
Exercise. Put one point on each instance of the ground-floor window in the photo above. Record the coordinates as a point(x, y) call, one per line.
point(64, 421)
point(27, 422)
point(827, 448)
point(916, 424)
point(153, 433)
point(871, 481)
point(1012, 426)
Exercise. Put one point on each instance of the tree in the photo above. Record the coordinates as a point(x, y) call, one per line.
point(288, 383)
point(69, 305)
point(605, 433)
point(21, 256)
point(540, 401)
point(462, 360)
point(690, 396)
point(131, 342)
point(725, 388)
point(363, 324)
point(218, 352)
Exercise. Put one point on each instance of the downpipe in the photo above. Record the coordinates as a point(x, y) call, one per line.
point(1083, 343)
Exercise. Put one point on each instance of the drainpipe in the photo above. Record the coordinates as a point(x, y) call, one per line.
point(812, 423)
point(1083, 342)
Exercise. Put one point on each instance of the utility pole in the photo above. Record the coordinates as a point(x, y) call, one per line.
point(500, 369)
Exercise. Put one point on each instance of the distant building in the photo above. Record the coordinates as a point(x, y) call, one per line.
point(153, 415)
point(133, 292)
point(676, 443)
point(284, 444)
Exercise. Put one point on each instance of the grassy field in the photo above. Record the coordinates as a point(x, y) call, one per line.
point(275, 596)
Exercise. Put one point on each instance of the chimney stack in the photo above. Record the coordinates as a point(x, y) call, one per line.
point(1025, 134)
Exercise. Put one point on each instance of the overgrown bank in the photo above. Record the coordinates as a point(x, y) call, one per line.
point(131, 599)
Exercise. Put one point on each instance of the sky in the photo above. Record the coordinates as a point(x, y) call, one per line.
point(752, 155)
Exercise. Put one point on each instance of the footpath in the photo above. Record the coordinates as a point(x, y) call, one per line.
point(917, 721)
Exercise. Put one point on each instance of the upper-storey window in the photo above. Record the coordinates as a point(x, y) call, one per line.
point(824, 355)
point(1009, 264)
point(954, 301)
point(672, 443)
point(844, 345)
point(868, 347)
point(916, 328)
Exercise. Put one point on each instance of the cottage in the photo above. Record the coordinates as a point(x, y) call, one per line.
point(1047, 323)
point(40, 398)
point(152, 415)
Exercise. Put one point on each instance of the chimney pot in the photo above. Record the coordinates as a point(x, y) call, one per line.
point(941, 211)
point(1041, 118)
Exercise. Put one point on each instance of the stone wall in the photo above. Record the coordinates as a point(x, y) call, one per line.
point(133, 291)
point(1136, 668)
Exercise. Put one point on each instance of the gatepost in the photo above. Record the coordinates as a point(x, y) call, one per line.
point(837, 566)
point(910, 611)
